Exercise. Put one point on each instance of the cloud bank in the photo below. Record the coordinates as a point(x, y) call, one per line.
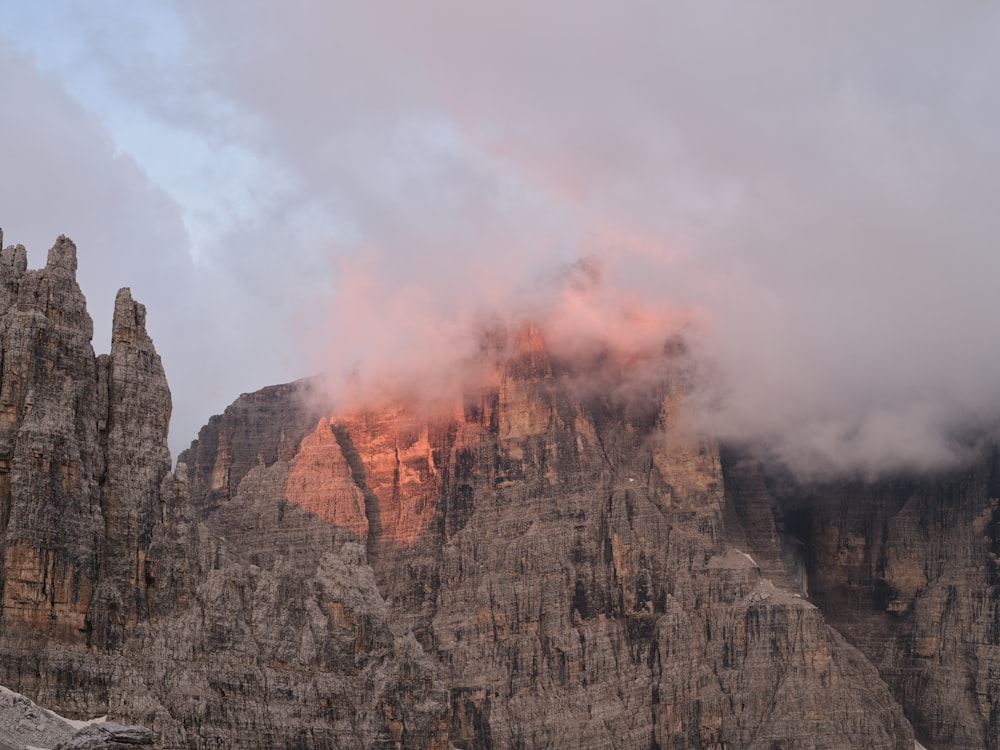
point(813, 186)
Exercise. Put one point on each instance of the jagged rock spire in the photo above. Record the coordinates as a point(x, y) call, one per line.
point(62, 256)
point(129, 322)
point(83, 450)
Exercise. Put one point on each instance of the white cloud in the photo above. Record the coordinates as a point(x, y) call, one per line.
point(816, 182)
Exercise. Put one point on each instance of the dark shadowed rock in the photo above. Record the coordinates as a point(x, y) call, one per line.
point(906, 568)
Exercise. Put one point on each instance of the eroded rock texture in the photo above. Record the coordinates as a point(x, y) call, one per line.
point(116, 601)
point(567, 560)
point(82, 455)
point(542, 565)
point(907, 569)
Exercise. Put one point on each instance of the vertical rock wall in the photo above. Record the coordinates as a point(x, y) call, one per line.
point(115, 599)
point(542, 566)
point(82, 454)
point(567, 561)
point(907, 569)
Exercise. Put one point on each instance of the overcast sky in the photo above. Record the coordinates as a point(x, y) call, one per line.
point(811, 187)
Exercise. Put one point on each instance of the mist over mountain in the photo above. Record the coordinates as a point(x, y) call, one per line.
point(820, 401)
point(559, 556)
point(604, 375)
point(812, 187)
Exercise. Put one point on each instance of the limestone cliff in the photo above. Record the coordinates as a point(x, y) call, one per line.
point(567, 560)
point(82, 455)
point(116, 601)
point(907, 569)
point(544, 564)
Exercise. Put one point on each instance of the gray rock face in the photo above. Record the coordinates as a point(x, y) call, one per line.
point(542, 566)
point(116, 601)
point(75, 497)
point(567, 563)
point(907, 569)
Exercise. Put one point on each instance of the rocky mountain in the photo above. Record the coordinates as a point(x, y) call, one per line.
point(544, 564)
point(116, 601)
point(569, 562)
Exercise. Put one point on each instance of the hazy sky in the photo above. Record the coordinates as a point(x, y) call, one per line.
point(297, 186)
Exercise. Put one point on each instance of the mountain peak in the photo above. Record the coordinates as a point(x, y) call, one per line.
point(62, 256)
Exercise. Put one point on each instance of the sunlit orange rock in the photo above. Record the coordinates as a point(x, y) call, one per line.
point(397, 462)
point(320, 482)
point(42, 592)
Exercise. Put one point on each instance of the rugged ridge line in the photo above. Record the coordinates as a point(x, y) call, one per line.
point(541, 566)
point(83, 453)
point(568, 563)
point(115, 600)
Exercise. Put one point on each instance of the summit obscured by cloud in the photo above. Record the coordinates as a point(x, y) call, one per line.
point(312, 186)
